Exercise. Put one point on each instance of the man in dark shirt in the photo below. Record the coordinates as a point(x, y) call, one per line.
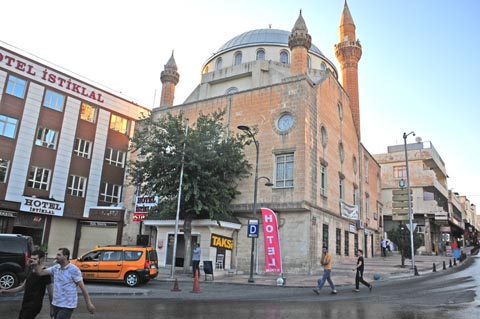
point(359, 275)
point(34, 287)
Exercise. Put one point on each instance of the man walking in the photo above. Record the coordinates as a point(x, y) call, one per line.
point(197, 251)
point(384, 247)
point(326, 262)
point(34, 287)
point(66, 278)
point(359, 275)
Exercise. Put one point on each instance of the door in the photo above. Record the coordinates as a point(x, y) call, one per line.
point(88, 264)
point(110, 267)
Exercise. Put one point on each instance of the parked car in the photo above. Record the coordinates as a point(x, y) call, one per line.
point(130, 264)
point(15, 251)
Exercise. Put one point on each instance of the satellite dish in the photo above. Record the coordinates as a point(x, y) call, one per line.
point(418, 139)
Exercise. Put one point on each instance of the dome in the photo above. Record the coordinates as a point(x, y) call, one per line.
point(262, 36)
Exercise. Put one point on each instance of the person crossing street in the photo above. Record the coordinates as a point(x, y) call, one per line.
point(326, 261)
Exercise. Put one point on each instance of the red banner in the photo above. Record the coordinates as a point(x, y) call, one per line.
point(273, 256)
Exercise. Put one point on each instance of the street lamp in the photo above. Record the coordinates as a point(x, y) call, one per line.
point(410, 213)
point(269, 183)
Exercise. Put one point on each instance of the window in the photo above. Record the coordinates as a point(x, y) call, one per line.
point(355, 244)
point(82, 148)
point(341, 189)
point(366, 170)
point(115, 157)
point(340, 111)
point(284, 170)
point(325, 236)
point(346, 243)
point(309, 62)
point(77, 185)
point(355, 165)
point(238, 58)
point(323, 180)
point(88, 112)
point(8, 126)
point(367, 206)
point(46, 138)
point(4, 164)
point(284, 57)
point(323, 66)
point(39, 178)
point(341, 152)
point(323, 132)
point(355, 195)
point(260, 55)
point(54, 100)
point(16, 86)
point(400, 172)
point(338, 242)
point(218, 65)
point(119, 124)
point(110, 193)
point(231, 90)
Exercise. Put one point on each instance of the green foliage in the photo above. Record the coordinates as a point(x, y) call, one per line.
point(214, 162)
point(401, 237)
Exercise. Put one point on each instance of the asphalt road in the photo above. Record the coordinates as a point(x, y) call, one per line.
point(438, 295)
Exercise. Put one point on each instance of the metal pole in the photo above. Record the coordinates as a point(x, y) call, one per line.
point(410, 213)
point(174, 255)
point(252, 256)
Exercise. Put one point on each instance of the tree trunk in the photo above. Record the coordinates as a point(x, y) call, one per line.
point(187, 234)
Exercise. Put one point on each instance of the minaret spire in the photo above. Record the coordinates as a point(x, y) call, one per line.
point(169, 78)
point(349, 52)
point(299, 42)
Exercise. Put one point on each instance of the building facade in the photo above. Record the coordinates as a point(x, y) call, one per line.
point(63, 150)
point(326, 188)
point(441, 215)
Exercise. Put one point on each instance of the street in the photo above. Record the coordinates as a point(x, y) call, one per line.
point(438, 295)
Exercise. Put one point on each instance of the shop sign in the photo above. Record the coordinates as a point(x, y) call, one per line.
point(42, 206)
point(142, 207)
point(221, 242)
point(4, 213)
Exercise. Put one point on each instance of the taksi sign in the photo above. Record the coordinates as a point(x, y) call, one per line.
point(41, 206)
point(221, 242)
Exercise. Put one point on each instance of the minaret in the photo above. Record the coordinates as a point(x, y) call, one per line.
point(299, 42)
point(169, 78)
point(349, 52)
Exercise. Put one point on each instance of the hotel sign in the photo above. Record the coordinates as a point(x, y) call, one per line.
point(42, 206)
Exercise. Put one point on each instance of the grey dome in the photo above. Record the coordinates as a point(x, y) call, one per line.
point(262, 36)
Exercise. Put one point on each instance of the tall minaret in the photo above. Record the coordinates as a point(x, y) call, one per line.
point(299, 42)
point(169, 78)
point(349, 52)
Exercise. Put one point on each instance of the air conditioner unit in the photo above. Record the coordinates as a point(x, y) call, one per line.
point(360, 224)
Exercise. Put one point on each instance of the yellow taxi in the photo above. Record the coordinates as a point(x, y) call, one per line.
point(130, 264)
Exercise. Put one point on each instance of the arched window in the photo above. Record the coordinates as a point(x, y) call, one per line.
point(323, 66)
point(341, 152)
point(309, 62)
point(284, 57)
point(232, 90)
point(340, 111)
point(219, 64)
point(323, 132)
point(260, 55)
point(237, 60)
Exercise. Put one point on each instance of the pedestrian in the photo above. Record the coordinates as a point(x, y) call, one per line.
point(197, 251)
point(359, 275)
point(326, 261)
point(34, 287)
point(66, 278)
point(384, 247)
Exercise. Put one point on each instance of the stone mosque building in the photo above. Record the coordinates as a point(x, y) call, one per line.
point(326, 185)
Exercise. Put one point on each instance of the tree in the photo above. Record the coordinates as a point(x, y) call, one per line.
point(214, 162)
point(401, 237)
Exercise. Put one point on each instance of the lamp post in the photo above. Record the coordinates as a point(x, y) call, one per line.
point(410, 213)
point(255, 189)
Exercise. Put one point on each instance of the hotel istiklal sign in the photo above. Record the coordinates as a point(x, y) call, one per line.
point(41, 206)
point(142, 207)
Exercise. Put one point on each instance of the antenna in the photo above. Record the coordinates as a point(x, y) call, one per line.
point(154, 98)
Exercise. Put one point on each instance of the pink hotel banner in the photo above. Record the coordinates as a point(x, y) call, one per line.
point(273, 256)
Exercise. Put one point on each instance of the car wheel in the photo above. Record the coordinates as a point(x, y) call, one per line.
point(132, 279)
point(8, 280)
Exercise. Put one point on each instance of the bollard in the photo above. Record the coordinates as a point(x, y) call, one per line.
point(416, 271)
point(434, 268)
point(444, 266)
point(175, 286)
point(450, 263)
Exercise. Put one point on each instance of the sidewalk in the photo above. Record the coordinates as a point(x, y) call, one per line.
point(342, 273)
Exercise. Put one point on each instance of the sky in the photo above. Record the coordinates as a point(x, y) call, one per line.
point(419, 69)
